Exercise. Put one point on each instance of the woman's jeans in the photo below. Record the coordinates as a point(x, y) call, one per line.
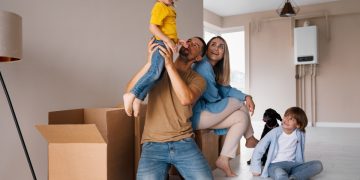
point(292, 170)
point(147, 81)
point(185, 155)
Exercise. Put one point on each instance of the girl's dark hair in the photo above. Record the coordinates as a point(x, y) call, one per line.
point(299, 115)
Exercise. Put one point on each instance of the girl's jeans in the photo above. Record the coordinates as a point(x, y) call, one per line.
point(292, 170)
point(185, 155)
point(147, 81)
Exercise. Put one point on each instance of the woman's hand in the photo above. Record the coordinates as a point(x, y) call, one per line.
point(250, 104)
point(167, 54)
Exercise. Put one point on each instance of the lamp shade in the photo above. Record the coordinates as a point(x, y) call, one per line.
point(10, 36)
point(288, 9)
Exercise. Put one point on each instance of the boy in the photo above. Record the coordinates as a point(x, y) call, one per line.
point(285, 159)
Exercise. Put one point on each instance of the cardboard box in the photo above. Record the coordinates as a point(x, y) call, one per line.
point(90, 144)
point(139, 128)
point(208, 143)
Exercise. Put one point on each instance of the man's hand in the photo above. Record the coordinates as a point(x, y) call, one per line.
point(167, 54)
point(152, 47)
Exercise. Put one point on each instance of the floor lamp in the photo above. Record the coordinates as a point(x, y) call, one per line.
point(10, 50)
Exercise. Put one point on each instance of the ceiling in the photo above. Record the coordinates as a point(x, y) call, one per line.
point(236, 7)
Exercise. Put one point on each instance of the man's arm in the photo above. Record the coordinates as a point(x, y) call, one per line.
point(186, 94)
point(144, 69)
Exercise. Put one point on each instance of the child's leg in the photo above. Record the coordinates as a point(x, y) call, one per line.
point(280, 170)
point(306, 170)
point(144, 84)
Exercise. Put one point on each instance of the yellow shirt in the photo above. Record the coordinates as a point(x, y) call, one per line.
point(165, 18)
point(166, 118)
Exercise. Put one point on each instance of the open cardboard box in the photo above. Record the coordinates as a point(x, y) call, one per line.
point(90, 144)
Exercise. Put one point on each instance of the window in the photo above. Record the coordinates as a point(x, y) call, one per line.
point(236, 44)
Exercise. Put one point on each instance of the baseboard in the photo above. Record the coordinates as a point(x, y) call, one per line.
point(342, 125)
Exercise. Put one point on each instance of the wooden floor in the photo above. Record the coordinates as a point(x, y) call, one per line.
point(337, 148)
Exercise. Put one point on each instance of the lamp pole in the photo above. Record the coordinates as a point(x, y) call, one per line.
point(17, 126)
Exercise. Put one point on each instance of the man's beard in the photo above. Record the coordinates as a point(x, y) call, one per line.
point(184, 52)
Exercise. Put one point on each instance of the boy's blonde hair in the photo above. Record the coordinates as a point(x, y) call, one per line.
point(299, 115)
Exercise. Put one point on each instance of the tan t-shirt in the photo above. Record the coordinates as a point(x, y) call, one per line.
point(166, 119)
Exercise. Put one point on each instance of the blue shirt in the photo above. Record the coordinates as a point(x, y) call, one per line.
point(272, 139)
point(216, 96)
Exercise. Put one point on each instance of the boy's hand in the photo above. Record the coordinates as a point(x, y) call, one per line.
point(183, 43)
point(171, 45)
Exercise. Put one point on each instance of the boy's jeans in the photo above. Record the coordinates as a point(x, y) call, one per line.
point(147, 81)
point(292, 170)
point(156, 159)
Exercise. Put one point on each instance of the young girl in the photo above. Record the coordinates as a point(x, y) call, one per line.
point(163, 27)
point(286, 153)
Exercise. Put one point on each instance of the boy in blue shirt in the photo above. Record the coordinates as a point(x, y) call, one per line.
point(286, 152)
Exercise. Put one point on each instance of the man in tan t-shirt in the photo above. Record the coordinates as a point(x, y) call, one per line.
point(168, 136)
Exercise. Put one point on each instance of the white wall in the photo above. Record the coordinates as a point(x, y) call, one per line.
point(76, 54)
point(271, 67)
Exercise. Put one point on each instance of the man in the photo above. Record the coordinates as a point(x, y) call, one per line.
point(168, 136)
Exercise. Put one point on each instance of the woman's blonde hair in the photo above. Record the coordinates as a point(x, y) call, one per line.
point(222, 68)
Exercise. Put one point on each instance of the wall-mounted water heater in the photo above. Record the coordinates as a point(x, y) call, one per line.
point(305, 45)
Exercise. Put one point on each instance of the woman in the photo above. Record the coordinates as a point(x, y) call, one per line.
point(222, 107)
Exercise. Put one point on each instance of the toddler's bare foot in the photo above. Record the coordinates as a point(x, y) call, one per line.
point(223, 163)
point(128, 103)
point(251, 142)
point(136, 106)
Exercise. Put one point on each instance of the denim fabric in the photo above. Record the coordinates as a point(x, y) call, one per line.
point(272, 138)
point(185, 155)
point(147, 81)
point(291, 170)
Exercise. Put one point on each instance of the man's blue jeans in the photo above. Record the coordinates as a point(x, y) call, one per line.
point(292, 170)
point(156, 159)
point(147, 81)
